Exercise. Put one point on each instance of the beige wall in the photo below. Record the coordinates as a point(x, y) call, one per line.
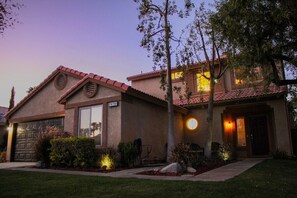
point(103, 92)
point(114, 125)
point(149, 122)
point(45, 101)
point(69, 121)
point(282, 131)
point(152, 87)
point(200, 135)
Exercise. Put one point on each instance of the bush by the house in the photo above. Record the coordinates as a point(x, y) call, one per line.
point(4, 141)
point(73, 152)
point(43, 146)
point(225, 152)
point(182, 154)
point(2, 156)
point(280, 154)
point(128, 153)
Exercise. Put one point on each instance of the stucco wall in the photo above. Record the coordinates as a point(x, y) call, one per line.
point(152, 87)
point(111, 116)
point(114, 126)
point(45, 101)
point(282, 133)
point(199, 135)
point(103, 92)
point(69, 121)
point(144, 120)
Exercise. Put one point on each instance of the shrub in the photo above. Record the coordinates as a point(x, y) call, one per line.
point(2, 157)
point(42, 146)
point(182, 154)
point(280, 154)
point(73, 152)
point(225, 152)
point(128, 153)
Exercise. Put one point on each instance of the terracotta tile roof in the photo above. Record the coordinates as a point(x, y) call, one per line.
point(60, 69)
point(234, 95)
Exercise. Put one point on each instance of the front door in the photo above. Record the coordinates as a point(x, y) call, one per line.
point(258, 135)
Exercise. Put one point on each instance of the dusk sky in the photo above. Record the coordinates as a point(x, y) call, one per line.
point(97, 36)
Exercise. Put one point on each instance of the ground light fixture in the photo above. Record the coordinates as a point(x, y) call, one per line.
point(192, 123)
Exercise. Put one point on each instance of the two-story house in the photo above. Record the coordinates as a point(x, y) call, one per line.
point(252, 119)
point(250, 116)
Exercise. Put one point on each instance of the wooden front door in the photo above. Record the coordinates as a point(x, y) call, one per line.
point(258, 135)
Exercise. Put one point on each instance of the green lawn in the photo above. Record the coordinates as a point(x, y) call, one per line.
point(272, 178)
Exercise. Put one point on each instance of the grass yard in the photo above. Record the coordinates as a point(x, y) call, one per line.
point(272, 178)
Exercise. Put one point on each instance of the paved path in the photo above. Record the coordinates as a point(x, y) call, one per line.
point(220, 174)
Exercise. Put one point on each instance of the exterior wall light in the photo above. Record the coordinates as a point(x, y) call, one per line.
point(192, 124)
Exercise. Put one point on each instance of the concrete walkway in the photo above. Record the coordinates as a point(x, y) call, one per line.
point(220, 174)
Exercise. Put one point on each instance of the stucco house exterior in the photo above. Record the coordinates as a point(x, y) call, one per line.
point(90, 105)
point(251, 119)
point(248, 115)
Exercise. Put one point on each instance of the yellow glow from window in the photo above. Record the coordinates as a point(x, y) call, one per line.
point(203, 83)
point(106, 162)
point(192, 124)
point(176, 75)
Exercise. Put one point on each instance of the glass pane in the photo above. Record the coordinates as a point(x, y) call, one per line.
point(203, 83)
point(241, 138)
point(96, 124)
point(84, 128)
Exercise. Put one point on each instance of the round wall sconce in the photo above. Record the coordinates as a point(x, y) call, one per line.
point(192, 124)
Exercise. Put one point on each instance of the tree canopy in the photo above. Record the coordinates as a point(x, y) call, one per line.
point(8, 16)
point(259, 33)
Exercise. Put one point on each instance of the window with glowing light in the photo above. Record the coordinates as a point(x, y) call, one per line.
point(202, 82)
point(252, 76)
point(241, 135)
point(176, 75)
point(90, 123)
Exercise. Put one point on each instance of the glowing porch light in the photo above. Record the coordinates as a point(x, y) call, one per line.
point(192, 124)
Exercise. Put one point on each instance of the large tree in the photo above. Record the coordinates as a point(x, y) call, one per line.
point(259, 33)
point(157, 39)
point(8, 16)
point(201, 44)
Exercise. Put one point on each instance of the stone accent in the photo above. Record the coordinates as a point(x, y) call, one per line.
point(172, 168)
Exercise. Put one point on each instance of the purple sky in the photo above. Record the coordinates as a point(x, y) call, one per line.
point(97, 36)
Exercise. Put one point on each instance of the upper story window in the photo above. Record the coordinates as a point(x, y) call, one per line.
point(176, 75)
point(242, 76)
point(90, 123)
point(202, 82)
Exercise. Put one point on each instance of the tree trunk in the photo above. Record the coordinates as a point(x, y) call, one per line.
point(207, 150)
point(170, 133)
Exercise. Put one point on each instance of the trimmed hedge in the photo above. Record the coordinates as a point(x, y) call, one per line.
point(73, 152)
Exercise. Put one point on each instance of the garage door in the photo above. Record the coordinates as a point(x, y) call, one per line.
point(26, 137)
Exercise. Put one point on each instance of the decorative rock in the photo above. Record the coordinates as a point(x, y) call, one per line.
point(191, 170)
point(172, 168)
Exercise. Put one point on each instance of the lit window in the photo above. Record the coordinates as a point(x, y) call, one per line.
point(202, 82)
point(90, 123)
point(176, 75)
point(241, 134)
point(241, 76)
